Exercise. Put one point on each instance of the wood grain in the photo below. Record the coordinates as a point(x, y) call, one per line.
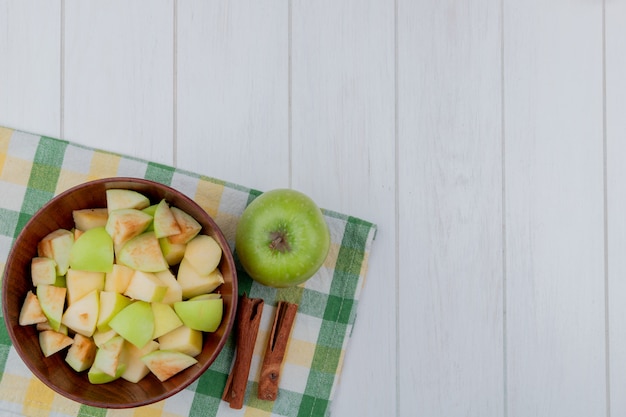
point(30, 65)
point(615, 67)
point(118, 79)
point(232, 98)
point(555, 304)
point(343, 156)
point(450, 318)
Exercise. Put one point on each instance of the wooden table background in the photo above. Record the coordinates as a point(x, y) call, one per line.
point(486, 139)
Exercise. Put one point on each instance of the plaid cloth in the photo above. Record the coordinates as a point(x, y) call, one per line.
point(33, 169)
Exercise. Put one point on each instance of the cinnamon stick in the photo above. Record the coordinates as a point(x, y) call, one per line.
point(275, 351)
point(247, 328)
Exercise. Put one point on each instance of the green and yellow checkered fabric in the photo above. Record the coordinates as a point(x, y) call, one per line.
point(33, 169)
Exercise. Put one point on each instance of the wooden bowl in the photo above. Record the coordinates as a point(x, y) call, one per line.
point(53, 371)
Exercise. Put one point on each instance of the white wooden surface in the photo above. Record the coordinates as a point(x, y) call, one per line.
point(486, 141)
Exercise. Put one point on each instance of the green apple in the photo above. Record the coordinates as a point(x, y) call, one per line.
point(282, 238)
point(165, 319)
point(164, 221)
point(135, 323)
point(118, 279)
point(51, 342)
point(108, 356)
point(146, 286)
point(203, 253)
point(31, 312)
point(174, 291)
point(52, 302)
point(86, 219)
point(111, 303)
point(204, 315)
point(82, 315)
point(189, 227)
point(173, 252)
point(192, 283)
point(183, 339)
point(81, 354)
point(80, 283)
point(143, 253)
point(166, 363)
point(136, 370)
point(43, 270)
point(93, 251)
point(125, 224)
point(123, 199)
point(57, 245)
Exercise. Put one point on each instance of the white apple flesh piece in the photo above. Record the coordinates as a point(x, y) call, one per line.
point(118, 279)
point(86, 219)
point(174, 291)
point(282, 238)
point(57, 245)
point(43, 271)
point(135, 323)
point(193, 283)
point(123, 199)
point(143, 253)
point(80, 283)
point(31, 312)
point(52, 342)
point(164, 364)
point(82, 315)
point(173, 252)
point(100, 337)
point(136, 370)
point(203, 253)
point(189, 227)
point(52, 302)
point(125, 224)
point(183, 339)
point(108, 356)
point(204, 315)
point(164, 221)
point(97, 376)
point(146, 286)
point(93, 251)
point(81, 354)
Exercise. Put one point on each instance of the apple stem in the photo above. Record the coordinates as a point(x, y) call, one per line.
point(279, 242)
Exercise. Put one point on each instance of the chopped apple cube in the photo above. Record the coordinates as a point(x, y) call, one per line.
point(189, 227)
point(52, 301)
point(165, 319)
point(86, 219)
point(125, 224)
point(122, 199)
point(174, 291)
point(93, 251)
point(31, 312)
point(146, 286)
point(136, 370)
point(193, 283)
point(182, 339)
point(164, 221)
point(203, 253)
point(81, 354)
point(118, 279)
point(108, 355)
point(167, 363)
point(57, 245)
point(143, 253)
point(80, 283)
point(52, 342)
point(43, 271)
point(82, 315)
point(135, 323)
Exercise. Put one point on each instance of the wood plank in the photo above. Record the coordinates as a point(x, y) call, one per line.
point(555, 280)
point(343, 156)
point(232, 98)
point(119, 76)
point(30, 65)
point(450, 313)
point(615, 33)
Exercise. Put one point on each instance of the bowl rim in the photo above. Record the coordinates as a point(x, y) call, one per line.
point(220, 345)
